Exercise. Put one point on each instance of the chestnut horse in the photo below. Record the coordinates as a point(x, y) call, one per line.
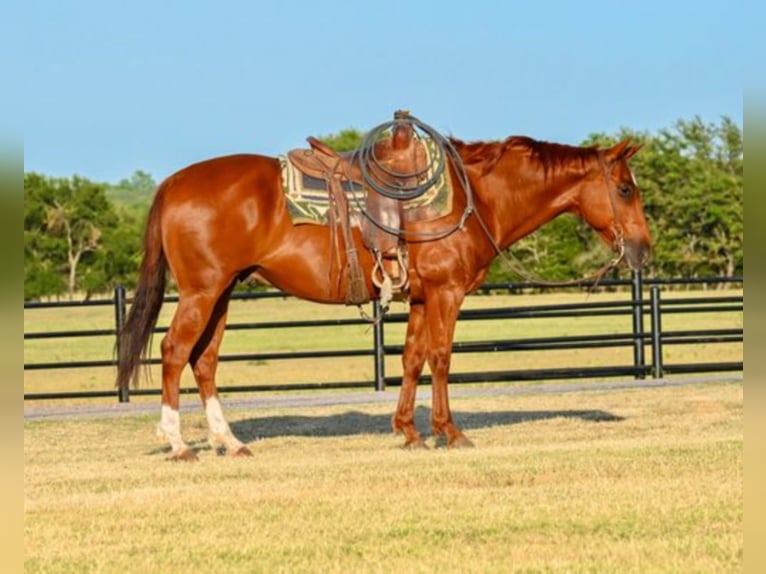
point(220, 220)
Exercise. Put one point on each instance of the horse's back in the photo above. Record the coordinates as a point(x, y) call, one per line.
point(221, 173)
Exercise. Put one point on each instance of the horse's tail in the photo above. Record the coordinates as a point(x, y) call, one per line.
point(133, 340)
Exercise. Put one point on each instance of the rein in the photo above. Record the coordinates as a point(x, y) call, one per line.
point(594, 278)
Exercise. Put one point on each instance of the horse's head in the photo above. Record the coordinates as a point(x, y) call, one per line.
point(610, 202)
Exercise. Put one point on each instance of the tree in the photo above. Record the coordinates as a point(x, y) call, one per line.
point(345, 140)
point(134, 193)
point(117, 261)
point(691, 177)
point(64, 222)
point(40, 278)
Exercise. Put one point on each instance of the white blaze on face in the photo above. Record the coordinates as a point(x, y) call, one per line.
point(633, 178)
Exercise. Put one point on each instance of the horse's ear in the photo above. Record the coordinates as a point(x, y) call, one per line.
point(632, 149)
point(623, 150)
point(618, 151)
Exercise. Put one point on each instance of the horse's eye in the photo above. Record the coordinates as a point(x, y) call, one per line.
point(625, 190)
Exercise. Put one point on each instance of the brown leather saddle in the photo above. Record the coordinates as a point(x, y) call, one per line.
point(397, 161)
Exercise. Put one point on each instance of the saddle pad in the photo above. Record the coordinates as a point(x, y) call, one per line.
point(308, 200)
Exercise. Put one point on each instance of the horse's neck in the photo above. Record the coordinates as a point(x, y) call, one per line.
point(515, 200)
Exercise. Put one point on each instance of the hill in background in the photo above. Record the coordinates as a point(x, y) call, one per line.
point(133, 193)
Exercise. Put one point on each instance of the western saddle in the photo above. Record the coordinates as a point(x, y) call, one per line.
point(392, 163)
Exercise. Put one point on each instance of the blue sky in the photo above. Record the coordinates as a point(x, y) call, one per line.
point(112, 87)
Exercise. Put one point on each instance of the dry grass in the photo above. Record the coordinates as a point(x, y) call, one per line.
point(359, 337)
point(621, 481)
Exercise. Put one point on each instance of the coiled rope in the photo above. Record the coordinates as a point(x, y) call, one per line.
point(399, 185)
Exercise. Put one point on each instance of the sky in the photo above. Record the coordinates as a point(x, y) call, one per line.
point(109, 88)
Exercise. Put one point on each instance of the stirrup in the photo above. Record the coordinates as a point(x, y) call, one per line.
point(382, 280)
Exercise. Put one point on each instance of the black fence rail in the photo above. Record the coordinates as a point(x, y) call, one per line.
point(630, 302)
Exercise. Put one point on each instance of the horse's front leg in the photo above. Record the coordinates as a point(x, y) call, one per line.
point(413, 359)
point(441, 311)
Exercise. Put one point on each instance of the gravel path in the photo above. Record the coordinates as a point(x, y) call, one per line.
point(329, 398)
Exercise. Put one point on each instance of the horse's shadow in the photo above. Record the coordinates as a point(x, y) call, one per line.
point(356, 422)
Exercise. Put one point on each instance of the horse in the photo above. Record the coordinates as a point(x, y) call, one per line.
point(224, 219)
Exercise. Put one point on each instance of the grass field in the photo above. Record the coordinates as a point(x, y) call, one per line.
point(634, 480)
point(359, 337)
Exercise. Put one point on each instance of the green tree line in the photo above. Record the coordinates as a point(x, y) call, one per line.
point(83, 238)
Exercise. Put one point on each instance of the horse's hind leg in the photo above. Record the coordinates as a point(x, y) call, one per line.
point(204, 362)
point(189, 322)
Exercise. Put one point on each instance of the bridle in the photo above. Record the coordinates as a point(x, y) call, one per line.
point(619, 239)
point(593, 279)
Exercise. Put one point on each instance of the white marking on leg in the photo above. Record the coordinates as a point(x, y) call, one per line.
point(170, 428)
point(219, 428)
point(215, 418)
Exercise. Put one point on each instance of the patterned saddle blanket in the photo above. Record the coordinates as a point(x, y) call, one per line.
point(308, 198)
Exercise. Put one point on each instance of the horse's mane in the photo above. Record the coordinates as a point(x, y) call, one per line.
point(550, 156)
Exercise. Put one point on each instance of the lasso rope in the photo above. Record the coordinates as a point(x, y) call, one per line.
point(398, 186)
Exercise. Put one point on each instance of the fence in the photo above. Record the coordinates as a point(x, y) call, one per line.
point(638, 308)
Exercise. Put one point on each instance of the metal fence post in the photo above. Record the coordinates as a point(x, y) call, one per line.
point(637, 289)
point(378, 351)
point(120, 311)
point(656, 333)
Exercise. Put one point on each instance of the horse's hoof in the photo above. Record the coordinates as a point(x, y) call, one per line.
point(241, 451)
point(460, 441)
point(184, 455)
point(415, 444)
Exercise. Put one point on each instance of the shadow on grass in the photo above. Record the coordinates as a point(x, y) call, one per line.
point(356, 422)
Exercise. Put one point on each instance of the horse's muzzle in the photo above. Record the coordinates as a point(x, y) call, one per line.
point(637, 253)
